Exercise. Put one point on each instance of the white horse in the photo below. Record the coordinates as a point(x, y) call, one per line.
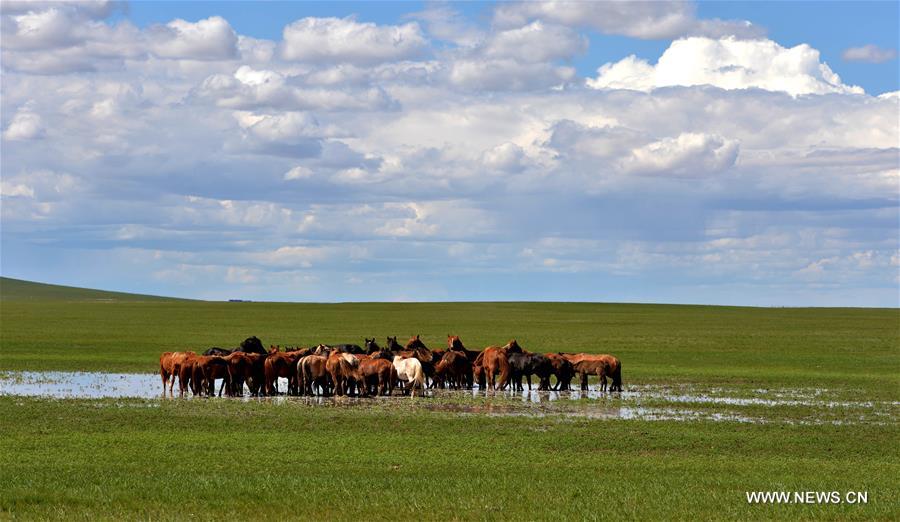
point(410, 370)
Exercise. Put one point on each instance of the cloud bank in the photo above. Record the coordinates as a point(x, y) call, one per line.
point(435, 158)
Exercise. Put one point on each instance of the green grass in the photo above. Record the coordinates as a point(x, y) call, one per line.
point(20, 290)
point(214, 459)
point(398, 458)
point(853, 349)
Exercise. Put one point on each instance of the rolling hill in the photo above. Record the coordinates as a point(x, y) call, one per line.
point(21, 290)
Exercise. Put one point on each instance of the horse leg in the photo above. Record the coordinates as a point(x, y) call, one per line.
point(165, 379)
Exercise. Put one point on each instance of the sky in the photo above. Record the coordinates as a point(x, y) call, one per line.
point(741, 153)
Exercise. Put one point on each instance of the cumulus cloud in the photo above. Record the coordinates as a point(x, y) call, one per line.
point(536, 42)
point(506, 156)
point(869, 53)
point(25, 125)
point(207, 158)
point(346, 40)
point(727, 63)
point(687, 155)
point(505, 74)
point(208, 39)
point(250, 88)
point(448, 24)
point(652, 20)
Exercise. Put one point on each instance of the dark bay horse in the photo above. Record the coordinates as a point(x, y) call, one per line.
point(248, 345)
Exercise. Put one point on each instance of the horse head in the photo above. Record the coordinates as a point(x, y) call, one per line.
point(513, 347)
point(453, 343)
point(372, 346)
point(414, 342)
point(252, 345)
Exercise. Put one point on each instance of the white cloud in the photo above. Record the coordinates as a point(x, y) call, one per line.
point(346, 40)
point(298, 172)
point(448, 24)
point(869, 53)
point(302, 172)
point(505, 74)
point(25, 125)
point(727, 63)
point(536, 42)
point(506, 156)
point(8, 189)
point(687, 155)
point(250, 88)
point(208, 39)
point(652, 20)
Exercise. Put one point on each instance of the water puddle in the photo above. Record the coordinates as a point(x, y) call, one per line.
point(643, 402)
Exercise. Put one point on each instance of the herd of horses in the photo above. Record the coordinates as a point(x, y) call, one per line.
point(348, 369)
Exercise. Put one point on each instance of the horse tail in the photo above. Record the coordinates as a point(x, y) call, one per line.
point(616, 375)
point(504, 371)
point(420, 378)
point(301, 376)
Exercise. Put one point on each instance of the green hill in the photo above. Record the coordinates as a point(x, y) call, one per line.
point(19, 290)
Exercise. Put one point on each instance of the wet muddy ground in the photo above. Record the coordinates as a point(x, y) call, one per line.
point(643, 402)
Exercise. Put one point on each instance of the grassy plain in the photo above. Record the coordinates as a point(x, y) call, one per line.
point(130, 459)
point(402, 458)
point(852, 349)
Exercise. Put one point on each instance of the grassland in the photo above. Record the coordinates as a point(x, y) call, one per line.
point(129, 459)
point(853, 349)
point(401, 458)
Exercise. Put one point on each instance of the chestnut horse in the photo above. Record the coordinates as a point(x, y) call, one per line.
point(602, 366)
point(170, 367)
point(312, 375)
point(454, 369)
point(281, 364)
point(375, 375)
point(493, 361)
point(186, 375)
point(456, 345)
point(208, 368)
point(341, 367)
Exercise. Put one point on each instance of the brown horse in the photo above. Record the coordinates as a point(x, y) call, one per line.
point(341, 367)
point(242, 368)
point(602, 366)
point(456, 345)
point(186, 373)
point(478, 373)
point(493, 361)
point(562, 369)
point(208, 368)
point(170, 367)
point(375, 375)
point(454, 369)
point(312, 375)
point(281, 364)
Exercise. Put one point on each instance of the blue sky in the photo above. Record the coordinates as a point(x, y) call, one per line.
point(830, 27)
point(721, 152)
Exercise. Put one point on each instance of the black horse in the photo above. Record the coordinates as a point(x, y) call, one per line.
point(248, 345)
point(349, 348)
point(526, 365)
